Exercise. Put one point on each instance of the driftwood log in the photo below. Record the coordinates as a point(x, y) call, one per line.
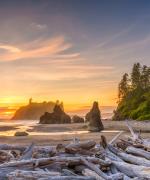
point(138, 152)
point(31, 174)
point(123, 159)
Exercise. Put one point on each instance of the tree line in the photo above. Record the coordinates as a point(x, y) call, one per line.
point(134, 94)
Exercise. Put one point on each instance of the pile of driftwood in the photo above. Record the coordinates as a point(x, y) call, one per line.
point(119, 159)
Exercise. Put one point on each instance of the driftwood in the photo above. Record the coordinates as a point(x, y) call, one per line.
point(38, 149)
point(75, 147)
point(56, 178)
point(138, 152)
point(123, 159)
point(130, 158)
point(88, 172)
point(28, 152)
point(133, 170)
point(5, 156)
point(99, 172)
point(116, 137)
point(32, 163)
point(69, 178)
point(136, 138)
point(31, 174)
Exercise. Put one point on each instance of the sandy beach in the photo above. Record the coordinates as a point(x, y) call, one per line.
point(56, 133)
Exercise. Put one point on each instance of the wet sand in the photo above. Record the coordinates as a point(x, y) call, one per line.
point(63, 133)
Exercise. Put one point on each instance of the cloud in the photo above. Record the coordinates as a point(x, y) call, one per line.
point(114, 37)
point(38, 26)
point(9, 48)
point(47, 48)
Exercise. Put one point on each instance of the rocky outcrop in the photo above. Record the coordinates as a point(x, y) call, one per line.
point(77, 119)
point(94, 119)
point(33, 110)
point(58, 116)
point(21, 133)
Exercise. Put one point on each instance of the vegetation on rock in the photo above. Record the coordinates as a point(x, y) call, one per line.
point(34, 110)
point(134, 95)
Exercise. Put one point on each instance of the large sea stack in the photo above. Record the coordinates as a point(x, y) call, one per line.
point(58, 116)
point(33, 110)
point(94, 119)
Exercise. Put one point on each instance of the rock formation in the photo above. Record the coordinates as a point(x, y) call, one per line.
point(94, 119)
point(33, 110)
point(77, 119)
point(58, 116)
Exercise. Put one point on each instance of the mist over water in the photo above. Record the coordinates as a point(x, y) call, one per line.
point(106, 111)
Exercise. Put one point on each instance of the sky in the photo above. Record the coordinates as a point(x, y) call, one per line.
point(72, 50)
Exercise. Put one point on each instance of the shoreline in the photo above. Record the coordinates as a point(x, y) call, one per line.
point(46, 134)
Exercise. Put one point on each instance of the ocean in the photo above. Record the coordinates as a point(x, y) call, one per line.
point(106, 111)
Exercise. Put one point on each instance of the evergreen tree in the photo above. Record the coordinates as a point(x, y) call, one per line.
point(145, 77)
point(123, 87)
point(134, 99)
point(136, 76)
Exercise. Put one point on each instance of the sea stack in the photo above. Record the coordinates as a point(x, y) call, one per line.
point(94, 119)
point(58, 116)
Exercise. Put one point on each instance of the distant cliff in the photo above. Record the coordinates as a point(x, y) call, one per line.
point(33, 110)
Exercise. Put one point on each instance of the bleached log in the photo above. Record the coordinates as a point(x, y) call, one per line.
point(28, 152)
point(90, 173)
point(59, 178)
point(67, 172)
point(99, 161)
point(12, 147)
point(69, 178)
point(133, 170)
point(130, 158)
point(125, 177)
point(31, 174)
point(113, 169)
point(146, 143)
point(138, 152)
point(5, 156)
point(81, 152)
point(115, 138)
point(47, 161)
point(99, 172)
point(74, 147)
point(112, 156)
point(135, 136)
point(94, 168)
point(40, 149)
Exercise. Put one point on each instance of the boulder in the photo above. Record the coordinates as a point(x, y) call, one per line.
point(21, 133)
point(77, 119)
point(58, 116)
point(94, 119)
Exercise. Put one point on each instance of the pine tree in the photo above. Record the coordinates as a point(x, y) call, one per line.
point(134, 95)
point(136, 76)
point(145, 77)
point(123, 87)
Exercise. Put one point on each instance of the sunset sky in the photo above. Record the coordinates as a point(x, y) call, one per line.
point(72, 50)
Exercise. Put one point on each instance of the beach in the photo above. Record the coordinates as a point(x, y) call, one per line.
point(52, 134)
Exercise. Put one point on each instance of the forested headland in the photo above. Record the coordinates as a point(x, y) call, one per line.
point(134, 94)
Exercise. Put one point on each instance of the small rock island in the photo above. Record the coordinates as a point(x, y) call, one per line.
point(58, 116)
